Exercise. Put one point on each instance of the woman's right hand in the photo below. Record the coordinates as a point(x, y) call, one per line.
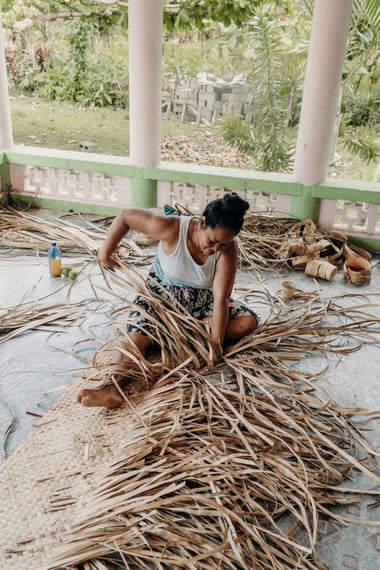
point(106, 261)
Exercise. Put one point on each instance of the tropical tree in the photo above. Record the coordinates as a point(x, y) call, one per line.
point(361, 82)
point(179, 15)
point(279, 50)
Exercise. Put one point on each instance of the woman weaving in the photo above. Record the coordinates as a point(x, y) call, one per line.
point(196, 262)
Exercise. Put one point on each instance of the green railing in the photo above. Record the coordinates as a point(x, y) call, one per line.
point(86, 182)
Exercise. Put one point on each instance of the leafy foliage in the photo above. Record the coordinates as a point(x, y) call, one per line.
point(277, 68)
point(270, 149)
point(363, 44)
point(267, 41)
point(21, 15)
point(361, 141)
point(80, 31)
point(199, 14)
point(179, 15)
point(362, 107)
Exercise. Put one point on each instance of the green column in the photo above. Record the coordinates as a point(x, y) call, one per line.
point(143, 193)
point(5, 176)
point(305, 206)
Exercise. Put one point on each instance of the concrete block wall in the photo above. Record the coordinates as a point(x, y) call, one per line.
point(206, 97)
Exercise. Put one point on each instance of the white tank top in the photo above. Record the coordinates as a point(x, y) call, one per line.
point(179, 268)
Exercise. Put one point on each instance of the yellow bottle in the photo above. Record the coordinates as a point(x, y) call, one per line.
point(55, 260)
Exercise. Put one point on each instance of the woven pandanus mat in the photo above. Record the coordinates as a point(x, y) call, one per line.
point(48, 477)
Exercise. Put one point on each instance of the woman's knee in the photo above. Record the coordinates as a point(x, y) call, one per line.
point(241, 326)
point(249, 324)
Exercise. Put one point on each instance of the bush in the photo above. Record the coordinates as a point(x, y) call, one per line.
point(362, 109)
point(374, 115)
point(104, 85)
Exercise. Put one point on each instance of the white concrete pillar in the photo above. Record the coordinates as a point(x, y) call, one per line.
point(145, 57)
point(6, 136)
point(327, 50)
point(376, 178)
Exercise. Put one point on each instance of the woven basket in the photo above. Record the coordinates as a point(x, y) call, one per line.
point(357, 270)
point(321, 269)
point(288, 289)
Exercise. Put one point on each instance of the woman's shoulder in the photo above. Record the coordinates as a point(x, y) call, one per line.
point(185, 221)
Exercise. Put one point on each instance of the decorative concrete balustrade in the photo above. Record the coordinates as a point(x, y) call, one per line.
point(88, 182)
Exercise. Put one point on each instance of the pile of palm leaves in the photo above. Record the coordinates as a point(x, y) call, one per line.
point(230, 466)
point(261, 242)
point(25, 232)
point(265, 243)
point(18, 319)
point(276, 243)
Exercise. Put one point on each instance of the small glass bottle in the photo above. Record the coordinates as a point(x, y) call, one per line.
point(55, 260)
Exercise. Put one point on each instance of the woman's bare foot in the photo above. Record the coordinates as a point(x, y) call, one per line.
point(107, 396)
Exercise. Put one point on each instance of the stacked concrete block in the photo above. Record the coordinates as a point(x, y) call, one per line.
point(185, 95)
point(208, 96)
point(248, 113)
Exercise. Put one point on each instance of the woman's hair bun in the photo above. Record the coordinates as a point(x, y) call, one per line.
point(234, 203)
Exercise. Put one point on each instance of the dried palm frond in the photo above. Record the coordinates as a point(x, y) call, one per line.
point(24, 231)
point(261, 242)
point(217, 458)
point(184, 340)
point(209, 478)
point(265, 243)
point(275, 243)
point(16, 320)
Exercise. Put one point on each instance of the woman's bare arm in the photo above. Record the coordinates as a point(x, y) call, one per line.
point(163, 228)
point(224, 279)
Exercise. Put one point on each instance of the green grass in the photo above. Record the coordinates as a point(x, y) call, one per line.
point(63, 126)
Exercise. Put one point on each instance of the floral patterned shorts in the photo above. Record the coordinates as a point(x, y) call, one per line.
point(197, 302)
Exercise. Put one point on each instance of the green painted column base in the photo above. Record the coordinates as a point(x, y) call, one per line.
point(143, 193)
point(5, 176)
point(305, 206)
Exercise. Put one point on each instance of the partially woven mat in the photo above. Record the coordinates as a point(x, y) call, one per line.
point(46, 479)
point(195, 471)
